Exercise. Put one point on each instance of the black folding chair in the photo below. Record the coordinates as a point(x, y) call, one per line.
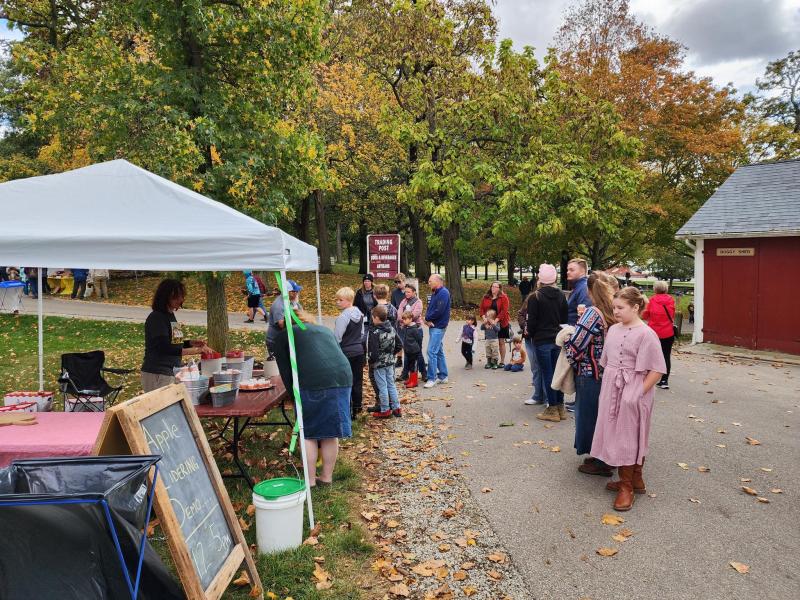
point(82, 383)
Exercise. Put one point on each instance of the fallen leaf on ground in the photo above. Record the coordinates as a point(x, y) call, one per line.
point(506, 424)
point(695, 500)
point(244, 524)
point(495, 575)
point(323, 578)
point(618, 538)
point(444, 547)
point(486, 490)
point(762, 499)
point(310, 541)
point(753, 441)
point(683, 466)
point(745, 479)
point(392, 524)
point(242, 580)
point(251, 510)
point(749, 490)
point(607, 551)
point(776, 490)
point(721, 446)
point(625, 532)
point(448, 513)
point(555, 449)
point(467, 566)
point(469, 591)
point(460, 575)
point(766, 469)
point(497, 557)
point(609, 519)
point(740, 567)
point(400, 589)
point(704, 469)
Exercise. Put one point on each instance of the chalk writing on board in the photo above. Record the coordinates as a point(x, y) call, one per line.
point(191, 494)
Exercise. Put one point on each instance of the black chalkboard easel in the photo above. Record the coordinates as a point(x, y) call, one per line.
point(204, 536)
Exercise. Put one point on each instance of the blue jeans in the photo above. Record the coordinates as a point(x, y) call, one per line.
point(536, 374)
point(587, 399)
point(513, 368)
point(547, 355)
point(437, 367)
point(387, 392)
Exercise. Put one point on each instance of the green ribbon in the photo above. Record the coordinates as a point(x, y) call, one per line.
point(292, 356)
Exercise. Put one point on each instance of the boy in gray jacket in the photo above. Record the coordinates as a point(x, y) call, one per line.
point(350, 333)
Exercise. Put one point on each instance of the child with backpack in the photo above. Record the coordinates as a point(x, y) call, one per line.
point(412, 346)
point(383, 346)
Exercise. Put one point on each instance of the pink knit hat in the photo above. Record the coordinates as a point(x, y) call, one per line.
point(547, 274)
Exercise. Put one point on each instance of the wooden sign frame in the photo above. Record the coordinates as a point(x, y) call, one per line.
point(122, 433)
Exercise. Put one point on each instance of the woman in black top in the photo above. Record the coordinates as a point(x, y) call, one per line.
point(164, 346)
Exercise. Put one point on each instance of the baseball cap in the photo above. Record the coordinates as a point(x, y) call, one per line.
point(293, 285)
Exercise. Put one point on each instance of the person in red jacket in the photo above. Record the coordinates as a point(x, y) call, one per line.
point(497, 300)
point(660, 316)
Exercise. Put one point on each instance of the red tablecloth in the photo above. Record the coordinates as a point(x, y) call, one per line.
point(55, 434)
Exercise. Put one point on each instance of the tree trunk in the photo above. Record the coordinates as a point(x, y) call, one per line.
point(512, 263)
point(349, 244)
point(486, 271)
point(339, 242)
point(217, 312)
point(422, 265)
point(404, 258)
point(322, 234)
point(362, 248)
point(452, 265)
point(564, 263)
point(303, 219)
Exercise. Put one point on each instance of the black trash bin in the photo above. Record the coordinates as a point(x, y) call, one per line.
point(75, 528)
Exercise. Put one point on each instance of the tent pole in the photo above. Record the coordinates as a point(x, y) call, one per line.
point(319, 301)
point(296, 394)
point(39, 294)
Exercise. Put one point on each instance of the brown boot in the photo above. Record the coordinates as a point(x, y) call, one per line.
point(562, 412)
point(625, 497)
point(637, 481)
point(550, 414)
point(595, 467)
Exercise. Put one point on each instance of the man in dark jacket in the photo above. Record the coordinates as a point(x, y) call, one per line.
point(525, 287)
point(576, 275)
point(79, 277)
point(437, 318)
point(398, 293)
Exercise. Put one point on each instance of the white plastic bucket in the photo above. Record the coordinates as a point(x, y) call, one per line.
point(279, 521)
point(208, 366)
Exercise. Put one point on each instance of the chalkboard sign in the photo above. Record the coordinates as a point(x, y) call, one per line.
point(190, 491)
point(192, 503)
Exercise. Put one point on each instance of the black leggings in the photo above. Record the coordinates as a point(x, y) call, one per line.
point(466, 352)
point(666, 349)
point(356, 394)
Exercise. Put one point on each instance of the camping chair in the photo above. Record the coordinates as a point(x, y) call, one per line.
point(82, 384)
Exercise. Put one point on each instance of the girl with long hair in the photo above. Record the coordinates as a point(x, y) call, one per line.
point(584, 350)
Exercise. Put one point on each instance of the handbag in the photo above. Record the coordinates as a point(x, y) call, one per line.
point(675, 331)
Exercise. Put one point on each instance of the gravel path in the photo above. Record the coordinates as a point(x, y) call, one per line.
point(433, 538)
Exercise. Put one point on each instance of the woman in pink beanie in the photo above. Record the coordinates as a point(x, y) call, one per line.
point(547, 310)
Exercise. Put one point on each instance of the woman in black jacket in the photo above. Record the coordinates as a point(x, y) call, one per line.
point(365, 297)
point(164, 344)
point(547, 311)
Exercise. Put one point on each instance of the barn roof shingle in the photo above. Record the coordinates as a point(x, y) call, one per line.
point(759, 199)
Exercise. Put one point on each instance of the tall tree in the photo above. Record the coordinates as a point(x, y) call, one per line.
point(773, 124)
point(690, 131)
point(203, 92)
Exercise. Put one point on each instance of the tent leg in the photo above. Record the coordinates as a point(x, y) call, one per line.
point(319, 301)
point(297, 404)
point(39, 294)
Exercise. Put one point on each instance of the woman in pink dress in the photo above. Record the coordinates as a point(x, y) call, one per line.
point(632, 363)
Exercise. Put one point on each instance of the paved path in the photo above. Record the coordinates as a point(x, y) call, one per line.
point(548, 515)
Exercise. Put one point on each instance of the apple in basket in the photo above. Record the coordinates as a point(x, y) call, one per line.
point(210, 355)
point(234, 354)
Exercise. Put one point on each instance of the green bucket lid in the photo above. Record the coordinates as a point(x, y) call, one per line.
point(272, 489)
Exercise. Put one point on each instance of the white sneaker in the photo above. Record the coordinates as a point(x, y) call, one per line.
point(445, 380)
point(532, 402)
point(430, 383)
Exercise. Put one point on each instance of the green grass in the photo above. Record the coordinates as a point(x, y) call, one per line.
point(343, 542)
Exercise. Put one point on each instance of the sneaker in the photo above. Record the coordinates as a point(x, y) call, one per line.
point(468, 366)
point(382, 414)
point(501, 365)
point(374, 409)
point(664, 386)
point(445, 380)
point(570, 407)
point(533, 402)
point(429, 384)
point(397, 412)
point(248, 320)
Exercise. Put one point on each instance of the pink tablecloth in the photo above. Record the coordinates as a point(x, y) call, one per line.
point(55, 434)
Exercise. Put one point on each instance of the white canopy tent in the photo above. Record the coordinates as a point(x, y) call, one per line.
point(115, 215)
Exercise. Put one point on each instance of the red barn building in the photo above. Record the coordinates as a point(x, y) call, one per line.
point(746, 239)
